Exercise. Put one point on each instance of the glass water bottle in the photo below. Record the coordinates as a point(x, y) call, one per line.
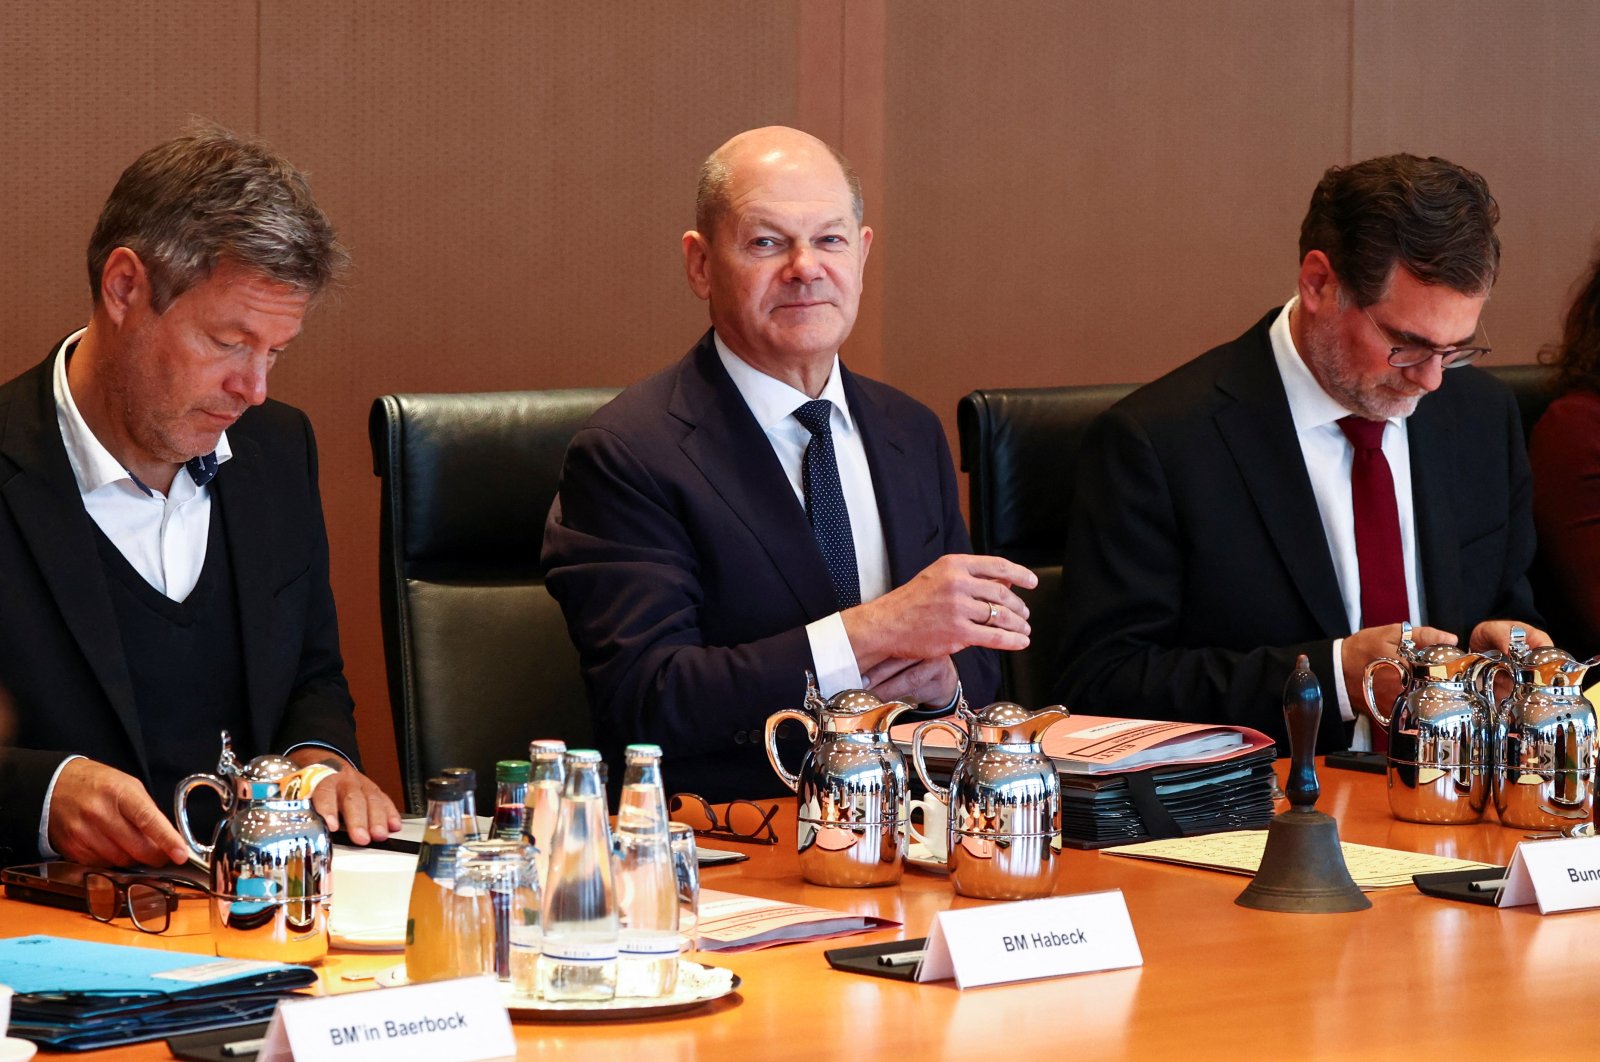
point(647, 889)
point(579, 945)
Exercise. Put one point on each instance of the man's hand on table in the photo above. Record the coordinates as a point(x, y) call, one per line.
point(102, 817)
point(349, 798)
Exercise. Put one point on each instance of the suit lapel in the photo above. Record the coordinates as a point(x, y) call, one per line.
point(1431, 438)
point(1259, 432)
point(248, 519)
point(733, 454)
point(899, 505)
point(43, 499)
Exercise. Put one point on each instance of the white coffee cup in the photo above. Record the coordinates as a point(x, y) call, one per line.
point(5, 1010)
point(371, 890)
point(935, 821)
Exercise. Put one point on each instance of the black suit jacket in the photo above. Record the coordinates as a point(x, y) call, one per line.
point(61, 655)
point(687, 571)
point(1196, 565)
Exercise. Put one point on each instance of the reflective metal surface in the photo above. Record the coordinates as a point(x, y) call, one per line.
point(851, 812)
point(1439, 731)
point(1004, 800)
point(1544, 740)
point(270, 862)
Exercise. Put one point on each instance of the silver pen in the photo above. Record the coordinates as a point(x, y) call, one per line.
point(240, 1048)
point(900, 958)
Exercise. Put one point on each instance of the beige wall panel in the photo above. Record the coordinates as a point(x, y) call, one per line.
point(1509, 90)
point(86, 87)
point(512, 179)
point(1088, 192)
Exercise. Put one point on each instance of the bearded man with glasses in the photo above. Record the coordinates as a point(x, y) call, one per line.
point(1307, 488)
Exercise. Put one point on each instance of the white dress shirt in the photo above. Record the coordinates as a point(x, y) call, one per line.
point(162, 536)
point(773, 403)
point(1328, 456)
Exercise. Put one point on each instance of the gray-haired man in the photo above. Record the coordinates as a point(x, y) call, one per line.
point(162, 549)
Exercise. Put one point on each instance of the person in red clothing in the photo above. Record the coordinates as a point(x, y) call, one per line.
point(1565, 454)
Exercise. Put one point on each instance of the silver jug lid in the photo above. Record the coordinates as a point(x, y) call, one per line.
point(258, 779)
point(1006, 723)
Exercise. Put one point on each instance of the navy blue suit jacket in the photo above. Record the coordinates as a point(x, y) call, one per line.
point(60, 652)
point(687, 570)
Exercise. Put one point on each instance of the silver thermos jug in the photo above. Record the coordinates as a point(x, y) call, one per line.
point(1439, 731)
point(851, 809)
point(1004, 800)
point(1544, 740)
point(270, 861)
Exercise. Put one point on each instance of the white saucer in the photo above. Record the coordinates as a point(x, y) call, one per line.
point(13, 1049)
point(918, 855)
point(363, 938)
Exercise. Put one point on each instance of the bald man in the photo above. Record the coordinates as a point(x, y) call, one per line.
point(757, 510)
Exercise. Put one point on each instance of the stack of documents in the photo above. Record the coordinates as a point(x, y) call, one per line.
point(73, 994)
point(1171, 801)
point(1127, 780)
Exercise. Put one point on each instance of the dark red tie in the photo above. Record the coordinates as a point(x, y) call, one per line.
point(1377, 520)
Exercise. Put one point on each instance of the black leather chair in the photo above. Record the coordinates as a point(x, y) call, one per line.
point(1019, 448)
point(1532, 386)
point(478, 656)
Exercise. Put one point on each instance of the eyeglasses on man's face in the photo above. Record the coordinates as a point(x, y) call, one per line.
point(738, 820)
point(147, 900)
point(1404, 355)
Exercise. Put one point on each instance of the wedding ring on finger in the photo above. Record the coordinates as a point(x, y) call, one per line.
point(994, 610)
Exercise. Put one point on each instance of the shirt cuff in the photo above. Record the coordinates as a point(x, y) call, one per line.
point(1345, 711)
point(45, 851)
point(832, 656)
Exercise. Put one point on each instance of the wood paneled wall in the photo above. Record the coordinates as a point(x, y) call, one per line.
point(1064, 191)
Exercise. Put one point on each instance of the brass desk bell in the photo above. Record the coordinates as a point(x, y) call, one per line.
point(1302, 870)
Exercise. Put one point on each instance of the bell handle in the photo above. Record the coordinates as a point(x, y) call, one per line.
point(1381, 718)
point(776, 719)
point(200, 854)
point(942, 792)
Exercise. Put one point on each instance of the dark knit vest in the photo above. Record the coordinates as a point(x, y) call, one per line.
point(187, 667)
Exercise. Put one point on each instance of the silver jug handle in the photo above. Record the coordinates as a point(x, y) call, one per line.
point(200, 854)
point(1381, 718)
point(942, 792)
point(774, 720)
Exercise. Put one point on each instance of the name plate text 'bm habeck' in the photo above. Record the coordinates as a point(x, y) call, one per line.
point(1558, 875)
point(1031, 939)
point(442, 1021)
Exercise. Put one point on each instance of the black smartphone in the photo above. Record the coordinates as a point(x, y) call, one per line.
point(57, 884)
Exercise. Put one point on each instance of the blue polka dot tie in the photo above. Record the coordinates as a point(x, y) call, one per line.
point(830, 520)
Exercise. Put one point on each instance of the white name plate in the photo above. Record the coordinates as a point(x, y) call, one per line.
point(441, 1021)
point(1559, 875)
point(1031, 939)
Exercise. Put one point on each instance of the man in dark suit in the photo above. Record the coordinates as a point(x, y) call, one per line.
point(757, 510)
point(162, 550)
point(1311, 485)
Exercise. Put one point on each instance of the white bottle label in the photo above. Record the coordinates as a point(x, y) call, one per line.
point(579, 950)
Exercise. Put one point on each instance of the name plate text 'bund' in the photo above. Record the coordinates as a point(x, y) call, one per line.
point(1031, 939)
point(1559, 875)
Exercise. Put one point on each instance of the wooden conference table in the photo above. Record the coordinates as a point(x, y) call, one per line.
point(1411, 977)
